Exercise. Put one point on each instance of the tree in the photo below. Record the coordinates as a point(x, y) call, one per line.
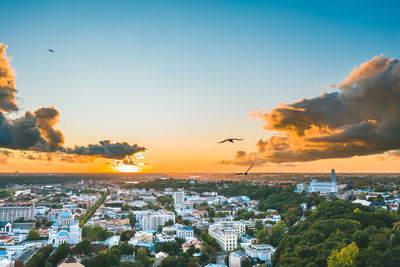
point(262, 236)
point(113, 257)
point(141, 256)
point(276, 234)
point(346, 257)
point(131, 264)
point(60, 253)
point(39, 259)
point(211, 213)
point(132, 219)
point(126, 249)
point(258, 225)
point(169, 223)
point(126, 235)
point(84, 247)
point(292, 215)
point(33, 234)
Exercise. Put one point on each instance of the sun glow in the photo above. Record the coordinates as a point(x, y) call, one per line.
point(129, 163)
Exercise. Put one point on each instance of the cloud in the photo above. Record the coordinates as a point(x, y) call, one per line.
point(76, 159)
point(106, 149)
point(361, 118)
point(4, 155)
point(37, 156)
point(244, 159)
point(7, 82)
point(37, 131)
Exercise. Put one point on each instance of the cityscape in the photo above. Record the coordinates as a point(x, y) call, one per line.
point(170, 221)
point(199, 133)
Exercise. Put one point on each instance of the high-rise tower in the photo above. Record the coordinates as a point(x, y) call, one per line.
point(333, 176)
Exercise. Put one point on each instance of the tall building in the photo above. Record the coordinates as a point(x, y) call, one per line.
point(11, 213)
point(179, 197)
point(153, 220)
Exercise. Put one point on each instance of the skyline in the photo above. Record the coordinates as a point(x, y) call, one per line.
point(176, 78)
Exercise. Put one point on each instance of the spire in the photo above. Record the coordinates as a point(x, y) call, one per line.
point(333, 176)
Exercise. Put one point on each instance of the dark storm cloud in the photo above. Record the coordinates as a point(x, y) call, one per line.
point(36, 131)
point(106, 149)
point(362, 118)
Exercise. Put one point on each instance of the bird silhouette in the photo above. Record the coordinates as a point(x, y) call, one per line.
point(51, 50)
point(231, 140)
point(245, 173)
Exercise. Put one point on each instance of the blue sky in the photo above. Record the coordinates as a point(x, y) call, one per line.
point(166, 73)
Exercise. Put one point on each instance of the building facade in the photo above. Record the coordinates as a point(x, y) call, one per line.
point(184, 231)
point(179, 197)
point(153, 220)
point(226, 236)
point(11, 213)
point(65, 230)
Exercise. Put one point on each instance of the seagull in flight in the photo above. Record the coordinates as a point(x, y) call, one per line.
point(245, 173)
point(231, 140)
point(51, 50)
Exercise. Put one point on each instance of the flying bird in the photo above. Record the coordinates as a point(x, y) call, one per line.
point(51, 50)
point(231, 140)
point(245, 173)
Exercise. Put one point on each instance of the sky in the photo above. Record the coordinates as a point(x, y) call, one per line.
point(176, 77)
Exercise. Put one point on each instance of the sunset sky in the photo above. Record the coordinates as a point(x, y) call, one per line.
point(176, 77)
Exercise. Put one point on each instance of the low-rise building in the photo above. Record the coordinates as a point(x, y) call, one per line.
point(261, 252)
point(184, 231)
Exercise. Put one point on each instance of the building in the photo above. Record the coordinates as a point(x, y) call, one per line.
point(185, 231)
point(153, 220)
point(227, 237)
point(321, 187)
point(65, 230)
point(5, 227)
point(261, 252)
point(179, 197)
point(52, 215)
point(6, 240)
point(159, 258)
point(25, 256)
point(236, 258)
point(324, 187)
point(239, 226)
point(11, 213)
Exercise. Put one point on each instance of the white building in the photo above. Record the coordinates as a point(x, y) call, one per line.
point(65, 230)
point(11, 213)
point(152, 220)
point(185, 231)
point(112, 241)
point(226, 236)
point(179, 197)
point(159, 257)
point(321, 187)
point(324, 187)
point(236, 258)
point(239, 226)
point(262, 252)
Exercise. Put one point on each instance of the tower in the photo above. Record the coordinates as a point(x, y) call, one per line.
point(333, 176)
